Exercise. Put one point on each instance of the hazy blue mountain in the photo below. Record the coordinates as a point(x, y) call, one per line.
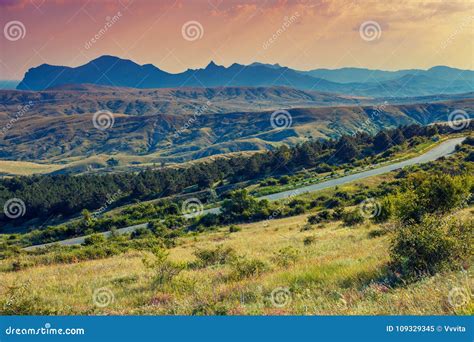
point(8, 84)
point(114, 71)
point(361, 75)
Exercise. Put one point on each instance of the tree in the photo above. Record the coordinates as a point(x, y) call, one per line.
point(346, 149)
point(241, 206)
point(112, 162)
point(382, 141)
point(397, 137)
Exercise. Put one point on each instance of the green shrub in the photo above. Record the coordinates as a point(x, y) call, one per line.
point(140, 233)
point(431, 246)
point(246, 268)
point(269, 182)
point(163, 269)
point(352, 218)
point(234, 229)
point(338, 213)
point(435, 194)
point(309, 240)
point(332, 203)
point(286, 256)
point(385, 211)
point(322, 216)
point(306, 227)
point(217, 256)
point(94, 239)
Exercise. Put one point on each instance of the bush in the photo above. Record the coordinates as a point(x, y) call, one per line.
point(216, 256)
point(436, 194)
point(94, 239)
point(240, 206)
point(246, 268)
point(306, 227)
point(286, 256)
point(140, 233)
point(269, 182)
point(431, 246)
point(338, 213)
point(309, 240)
point(297, 210)
point(234, 229)
point(284, 180)
point(332, 203)
point(322, 216)
point(385, 211)
point(352, 218)
point(164, 270)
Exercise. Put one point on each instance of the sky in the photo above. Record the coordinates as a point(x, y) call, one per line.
point(176, 35)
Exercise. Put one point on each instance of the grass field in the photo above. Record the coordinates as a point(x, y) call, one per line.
point(340, 272)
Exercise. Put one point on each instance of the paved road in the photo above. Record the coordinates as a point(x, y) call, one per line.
point(441, 150)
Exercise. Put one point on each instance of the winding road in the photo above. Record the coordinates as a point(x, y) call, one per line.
point(443, 149)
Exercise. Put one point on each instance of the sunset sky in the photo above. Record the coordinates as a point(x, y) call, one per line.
point(306, 34)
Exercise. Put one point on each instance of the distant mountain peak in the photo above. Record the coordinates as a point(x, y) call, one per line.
point(273, 66)
point(114, 71)
point(213, 65)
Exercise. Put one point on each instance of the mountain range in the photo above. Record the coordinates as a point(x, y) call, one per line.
point(117, 72)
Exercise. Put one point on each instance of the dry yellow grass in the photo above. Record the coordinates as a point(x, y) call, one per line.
point(339, 273)
point(24, 168)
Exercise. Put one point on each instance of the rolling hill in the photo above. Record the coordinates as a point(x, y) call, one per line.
point(61, 134)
